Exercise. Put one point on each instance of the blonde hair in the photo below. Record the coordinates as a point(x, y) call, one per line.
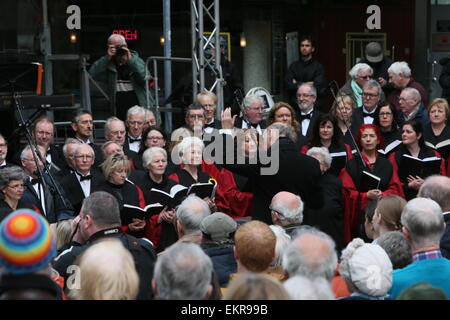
point(107, 273)
point(253, 286)
point(390, 210)
point(113, 162)
point(441, 103)
point(342, 99)
point(63, 232)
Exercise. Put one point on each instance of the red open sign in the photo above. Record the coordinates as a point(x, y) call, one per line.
point(127, 33)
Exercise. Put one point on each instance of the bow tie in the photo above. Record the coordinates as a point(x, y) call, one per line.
point(210, 125)
point(134, 140)
point(34, 181)
point(87, 177)
point(305, 116)
point(372, 115)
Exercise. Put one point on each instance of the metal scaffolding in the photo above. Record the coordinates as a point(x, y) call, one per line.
point(201, 46)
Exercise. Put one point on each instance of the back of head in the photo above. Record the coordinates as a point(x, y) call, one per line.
point(390, 209)
point(311, 254)
point(255, 245)
point(302, 288)
point(437, 188)
point(400, 67)
point(26, 242)
point(254, 286)
point(366, 268)
point(218, 227)
point(191, 212)
point(397, 248)
point(183, 272)
point(107, 273)
point(424, 221)
point(103, 208)
point(289, 208)
point(283, 240)
point(422, 291)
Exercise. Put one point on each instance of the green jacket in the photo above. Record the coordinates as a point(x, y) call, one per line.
point(104, 72)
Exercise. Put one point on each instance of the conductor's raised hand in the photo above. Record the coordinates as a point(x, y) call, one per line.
point(227, 120)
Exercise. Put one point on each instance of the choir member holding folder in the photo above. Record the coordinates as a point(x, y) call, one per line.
point(116, 169)
point(414, 161)
point(156, 185)
point(326, 133)
point(386, 120)
point(437, 132)
point(366, 179)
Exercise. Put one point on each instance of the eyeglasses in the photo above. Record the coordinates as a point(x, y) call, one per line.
point(196, 116)
point(257, 109)
point(17, 186)
point(117, 132)
point(403, 99)
point(84, 156)
point(85, 122)
point(154, 138)
point(301, 95)
point(370, 95)
point(139, 123)
point(385, 114)
point(365, 77)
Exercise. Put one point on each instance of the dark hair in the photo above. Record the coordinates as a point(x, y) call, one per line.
point(145, 134)
point(194, 106)
point(418, 129)
point(376, 120)
point(375, 129)
point(77, 114)
point(307, 38)
point(323, 118)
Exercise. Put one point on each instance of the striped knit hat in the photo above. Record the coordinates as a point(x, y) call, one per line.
point(26, 243)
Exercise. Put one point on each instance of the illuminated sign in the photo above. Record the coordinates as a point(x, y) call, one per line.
point(127, 33)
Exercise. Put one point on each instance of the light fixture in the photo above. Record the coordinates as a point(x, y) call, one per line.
point(161, 40)
point(73, 37)
point(243, 40)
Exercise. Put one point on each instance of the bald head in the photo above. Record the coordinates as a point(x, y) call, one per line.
point(311, 254)
point(437, 188)
point(287, 209)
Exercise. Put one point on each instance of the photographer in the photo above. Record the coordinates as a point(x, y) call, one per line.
point(121, 73)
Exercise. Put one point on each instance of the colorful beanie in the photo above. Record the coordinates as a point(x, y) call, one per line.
point(26, 243)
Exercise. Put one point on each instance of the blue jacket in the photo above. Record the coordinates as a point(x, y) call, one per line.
point(223, 261)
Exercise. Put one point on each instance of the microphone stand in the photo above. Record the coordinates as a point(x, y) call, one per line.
point(34, 149)
point(334, 82)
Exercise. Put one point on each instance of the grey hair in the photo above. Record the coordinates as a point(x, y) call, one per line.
point(183, 272)
point(119, 36)
point(8, 174)
point(283, 240)
point(67, 142)
point(283, 130)
point(437, 188)
point(311, 87)
point(359, 67)
point(295, 262)
point(322, 151)
point(287, 214)
point(136, 110)
point(424, 220)
point(302, 288)
point(400, 67)
point(191, 212)
point(108, 123)
point(397, 248)
point(373, 84)
point(414, 93)
point(85, 145)
point(207, 93)
point(187, 143)
point(103, 208)
point(248, 100)
point(147, 157)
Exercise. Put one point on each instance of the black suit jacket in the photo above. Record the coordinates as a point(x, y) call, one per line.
point(315, 115)
point(73, 189)
point(358, 117)
point(55, 208)
point(238, 123)
point(297, 173)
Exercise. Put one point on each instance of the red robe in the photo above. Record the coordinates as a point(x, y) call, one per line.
point(355, 201)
